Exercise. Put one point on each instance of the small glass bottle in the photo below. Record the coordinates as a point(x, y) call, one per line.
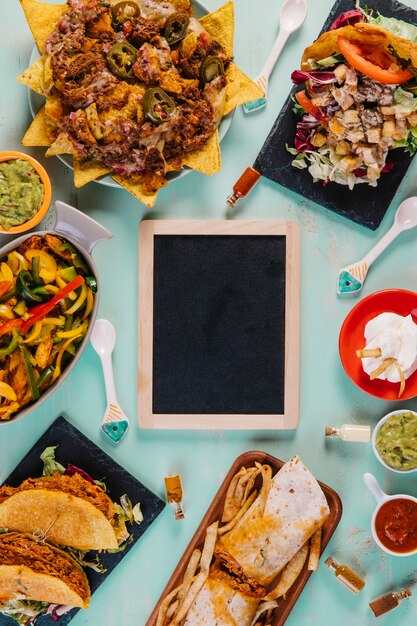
point(389, 601)
point(347, 576)
point(349, 432)
point(174, 494)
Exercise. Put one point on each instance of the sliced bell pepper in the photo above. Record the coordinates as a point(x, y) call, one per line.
point(29, 370)
point(42, 310)
point(6, 350)
point(7, 327)
point(307, 105)
point(5, 286)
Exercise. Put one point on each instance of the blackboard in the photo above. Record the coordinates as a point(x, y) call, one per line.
point(214, 324)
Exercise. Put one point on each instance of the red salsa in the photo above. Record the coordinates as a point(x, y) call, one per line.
point(396, 525)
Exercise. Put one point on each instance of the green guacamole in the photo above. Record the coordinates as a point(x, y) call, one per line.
point(396, 441)
point(21, 192)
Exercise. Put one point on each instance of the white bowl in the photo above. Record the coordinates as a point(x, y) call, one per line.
point(375, 449)
point(381, 498)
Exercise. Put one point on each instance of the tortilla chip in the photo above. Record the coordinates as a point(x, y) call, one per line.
point(369, 34)
point(207, 159)
point(87, 172)
point(239, 88)
point(42, 19)
point(137, 190)
point(221, 26)
point(40, 131)
point(182, 6)
point(33, 76)
point(61, 145)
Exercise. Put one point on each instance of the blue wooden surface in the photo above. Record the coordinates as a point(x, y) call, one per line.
point(327, 396)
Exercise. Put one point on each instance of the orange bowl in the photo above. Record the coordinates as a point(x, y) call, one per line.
point(43, 209)
point(352, 338)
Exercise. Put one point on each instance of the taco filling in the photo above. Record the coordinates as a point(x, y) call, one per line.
point(358, 99)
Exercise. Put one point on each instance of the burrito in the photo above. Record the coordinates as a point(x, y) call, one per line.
point(68, 509)
point(248, 558)
point(263, 542)
point(39, 571)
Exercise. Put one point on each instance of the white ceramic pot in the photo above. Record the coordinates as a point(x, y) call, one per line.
point(375, 449)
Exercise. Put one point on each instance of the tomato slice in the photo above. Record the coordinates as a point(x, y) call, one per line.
point(373, 62)
point(307, 105)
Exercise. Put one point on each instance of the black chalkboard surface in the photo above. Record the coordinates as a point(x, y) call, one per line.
point(214, 324)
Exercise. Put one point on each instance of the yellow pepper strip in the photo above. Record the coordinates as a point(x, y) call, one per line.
point(74, 333)
point(13, 262)
point(89, 305)
point(7, 410)
point(52, 289)
point(46, 275)
point(6, 273)
point(46, 260)
point(61, 283)
point(19, 262)
point(6, 312)
point(65, 345)
point(7, 392)
point(55, 321)
point(78, 304)
point(35, 332)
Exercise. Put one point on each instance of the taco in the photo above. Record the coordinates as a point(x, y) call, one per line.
point(69, 509)
point(39, 571)
point(358, 102)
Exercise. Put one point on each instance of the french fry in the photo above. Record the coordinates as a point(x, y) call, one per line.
point(266, 471)
point(314, 554)
point(289, 574)
point(165, 604)
point(369, 353)
point(206, 556)
point(239, 489)
point(189, 576)
point(381, 369)
point(241, 513)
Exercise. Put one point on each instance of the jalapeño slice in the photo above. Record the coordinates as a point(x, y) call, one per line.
point(121, 58)
point(211, 68)
point(175, 28)
point(157, 105)
point(123, 11)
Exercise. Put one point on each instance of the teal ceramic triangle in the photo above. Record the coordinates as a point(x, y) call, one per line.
point(115, 430)
point(347, 283)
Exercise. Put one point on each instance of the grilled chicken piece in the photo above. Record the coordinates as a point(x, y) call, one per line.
point(43, 351)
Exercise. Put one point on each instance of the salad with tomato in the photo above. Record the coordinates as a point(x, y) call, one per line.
point(358, 99)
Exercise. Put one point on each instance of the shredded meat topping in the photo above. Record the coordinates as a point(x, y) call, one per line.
point(226, 568)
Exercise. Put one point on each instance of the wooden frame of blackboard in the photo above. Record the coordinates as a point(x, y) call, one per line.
point(147, 418)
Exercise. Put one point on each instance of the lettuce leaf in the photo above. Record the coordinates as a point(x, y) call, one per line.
point(397, 27)
point(50, 466)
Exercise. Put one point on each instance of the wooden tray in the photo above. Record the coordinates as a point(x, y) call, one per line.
point(214, 513)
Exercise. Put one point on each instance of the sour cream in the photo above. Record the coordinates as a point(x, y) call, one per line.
point(396, 336)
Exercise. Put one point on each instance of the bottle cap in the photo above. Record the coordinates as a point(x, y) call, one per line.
point(329, 562)
point(406, 592)
point(330, 431)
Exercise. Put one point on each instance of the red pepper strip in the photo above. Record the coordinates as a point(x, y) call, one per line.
point(8, 326)
point(41, 310)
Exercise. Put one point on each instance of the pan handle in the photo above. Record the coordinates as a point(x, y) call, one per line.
point(73, 223)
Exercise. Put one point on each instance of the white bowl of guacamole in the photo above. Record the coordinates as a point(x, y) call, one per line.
point(394, 441)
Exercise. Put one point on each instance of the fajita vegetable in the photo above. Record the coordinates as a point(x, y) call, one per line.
point(46, 299)
point(133, 89)
point(265, 535)
point(358, 101)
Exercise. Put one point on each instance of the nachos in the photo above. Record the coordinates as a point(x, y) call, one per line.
point(135, 89)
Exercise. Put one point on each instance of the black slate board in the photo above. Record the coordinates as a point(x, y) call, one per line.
point(219, 324)
point(75, 448)
point(364, 205)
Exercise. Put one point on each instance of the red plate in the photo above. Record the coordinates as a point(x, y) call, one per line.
point(351, 338)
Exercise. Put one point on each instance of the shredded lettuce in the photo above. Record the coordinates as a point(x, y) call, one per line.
point(95, 563)
point(127, 512)
point(50, 466)
point(122, 546)
point(23, 611)
point(404, 101)
point(409, 142)
point(397, 27)
point(323, 165)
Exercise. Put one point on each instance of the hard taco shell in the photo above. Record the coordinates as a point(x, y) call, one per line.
point(361, 33)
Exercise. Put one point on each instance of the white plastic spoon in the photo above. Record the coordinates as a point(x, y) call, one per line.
point(103, 339)
point(292, 16)
point(351, 278)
